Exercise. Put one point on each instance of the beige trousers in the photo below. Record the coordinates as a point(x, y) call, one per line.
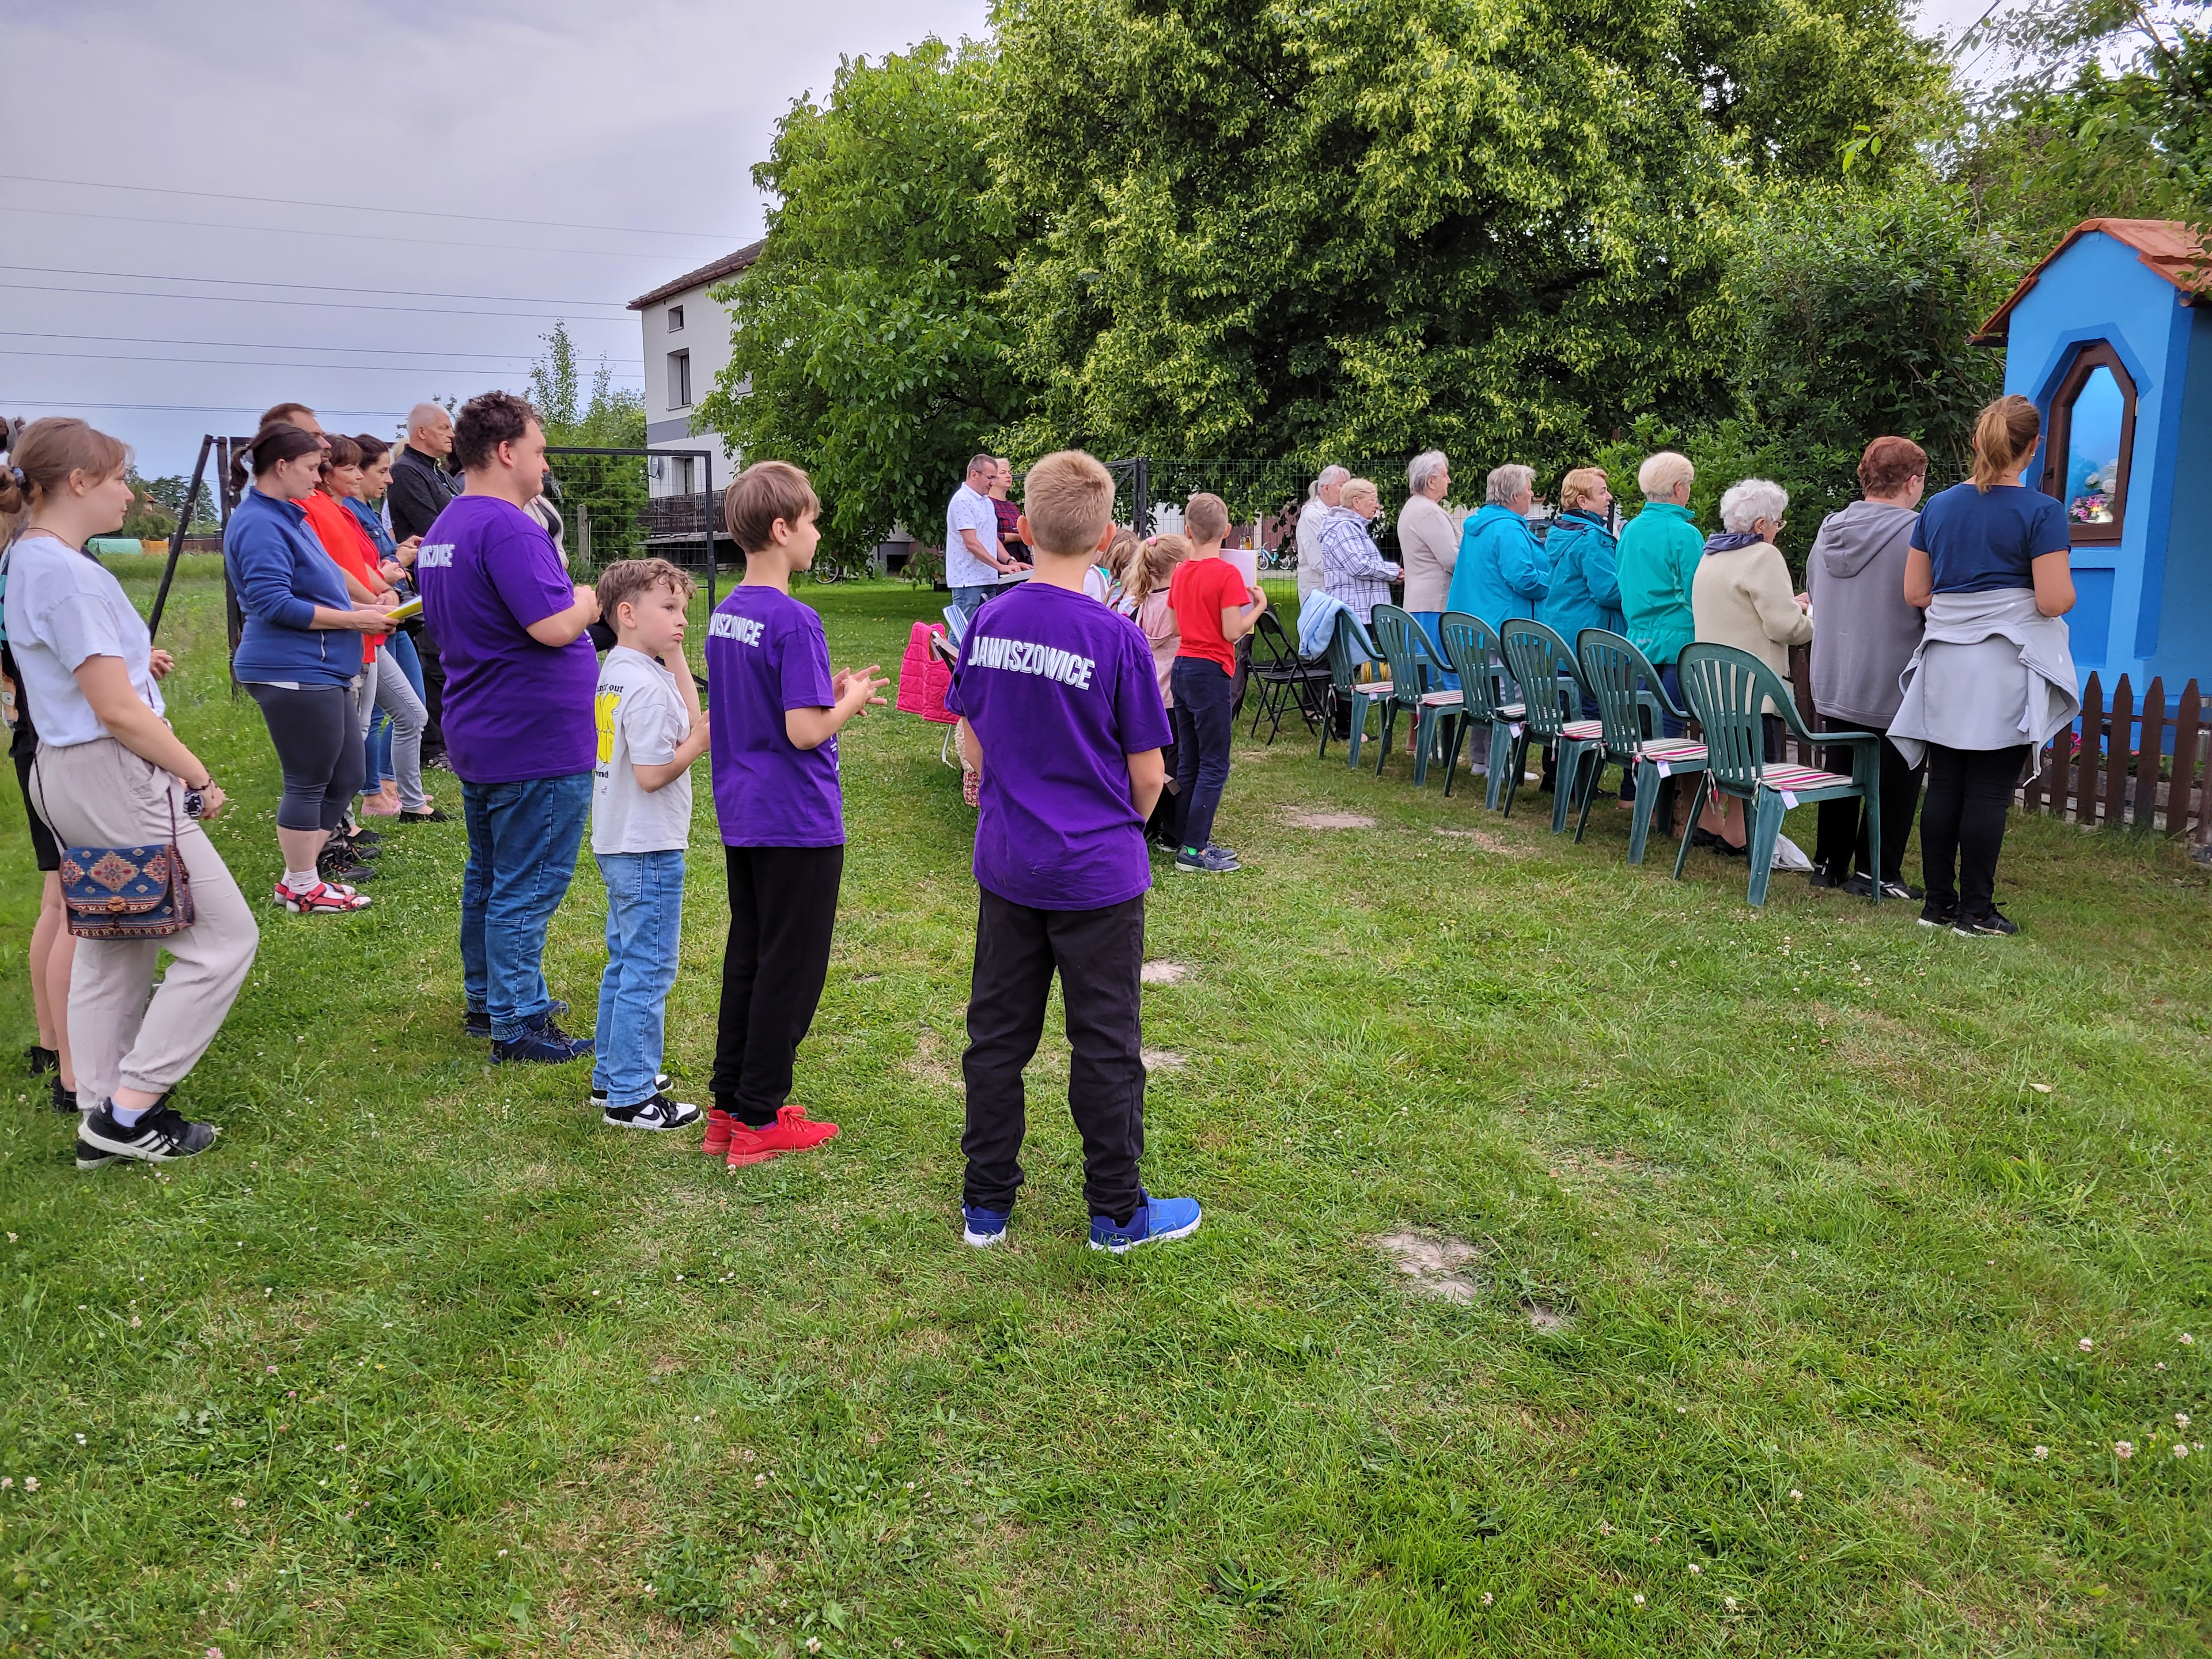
point(101, 795)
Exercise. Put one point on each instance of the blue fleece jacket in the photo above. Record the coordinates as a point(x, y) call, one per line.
point(279, 571)
point(1585, 590)
point(1501, 572)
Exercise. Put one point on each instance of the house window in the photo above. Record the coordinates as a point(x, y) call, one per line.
point(679, 379)
point(675, 319)
point(2087, 449)
point(685, 482)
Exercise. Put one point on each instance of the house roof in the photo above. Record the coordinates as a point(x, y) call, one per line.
point(2167, 245)
point(728, 265)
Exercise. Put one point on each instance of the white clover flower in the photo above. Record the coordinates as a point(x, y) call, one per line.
point(2041, 1452)
point(30, 1483)
point(2123, 1449)
point(2181, 1448)
point(80, 1440)
point(1796, 1496)
point(1728, 1601)
point(814, 1645)
point(238, 1502)
point(2181, 1419)
point(1695, 1569)
point(1637, 1598)
point(2187, 1341)
point(6, 1481)
point(1485, 1598)
point(2085, 1344)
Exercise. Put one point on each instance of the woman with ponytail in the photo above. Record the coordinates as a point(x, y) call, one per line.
point(1144, 600)
point(110, 773)
point(1994, 676)
point(298, 657)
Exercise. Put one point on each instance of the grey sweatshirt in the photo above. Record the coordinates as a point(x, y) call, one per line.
point(1864, 633)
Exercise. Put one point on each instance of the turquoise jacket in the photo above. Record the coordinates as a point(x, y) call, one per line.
point(1585, 590)
point(1657, 561)
point(1501, 572)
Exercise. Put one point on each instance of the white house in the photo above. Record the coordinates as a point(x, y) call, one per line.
point(687, 345)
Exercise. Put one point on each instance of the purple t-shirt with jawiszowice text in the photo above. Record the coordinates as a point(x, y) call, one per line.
point(1061, 691)
point(513, 709)
point(766, 654)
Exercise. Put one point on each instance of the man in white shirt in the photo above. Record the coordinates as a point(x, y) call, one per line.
point(1328, 491)
point(975, 557)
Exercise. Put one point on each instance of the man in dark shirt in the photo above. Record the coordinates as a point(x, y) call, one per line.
point(419, 490)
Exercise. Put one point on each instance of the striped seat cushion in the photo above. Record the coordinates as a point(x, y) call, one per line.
point(1442, 699)
point(1794, 778)
point(1511, 711)
point(1374, 688)
point(1676, 751)
point(1583, 731)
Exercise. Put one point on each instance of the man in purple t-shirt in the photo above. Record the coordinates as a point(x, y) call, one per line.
point(1061, 697)
point(520, 678)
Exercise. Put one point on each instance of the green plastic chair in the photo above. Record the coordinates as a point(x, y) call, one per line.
point(1551, 687)
point(1727, 689)
point(1631, 700)
point(1349, 650)
point(1469, 647)
point(1407, 649)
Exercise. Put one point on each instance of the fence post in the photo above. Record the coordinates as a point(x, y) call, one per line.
point(176, 536)
point(2116, 748)
point(2085, 757)
point(2182, 791)
point(2149, 752)
point(1140, 511)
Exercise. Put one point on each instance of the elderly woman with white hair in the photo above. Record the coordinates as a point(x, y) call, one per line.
point(1742, 597)
point(1353, 569)
point(1428, 540)
point(1502, 571)
point(1323, 494)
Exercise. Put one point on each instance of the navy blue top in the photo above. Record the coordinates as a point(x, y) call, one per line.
point(1979, 542)
point(280, 572)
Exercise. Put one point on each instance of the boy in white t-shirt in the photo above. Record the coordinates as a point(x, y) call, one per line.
point(651, 729)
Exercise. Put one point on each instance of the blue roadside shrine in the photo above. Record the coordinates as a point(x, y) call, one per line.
point(2107, 337)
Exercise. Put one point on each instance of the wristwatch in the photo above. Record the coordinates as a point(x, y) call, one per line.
point(195, 799)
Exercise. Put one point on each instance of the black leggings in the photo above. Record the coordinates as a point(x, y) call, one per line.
point(312, 732)
point(1962, 824)
point(783, 917)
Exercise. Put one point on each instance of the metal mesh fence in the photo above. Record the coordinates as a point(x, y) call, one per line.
point(630, 504)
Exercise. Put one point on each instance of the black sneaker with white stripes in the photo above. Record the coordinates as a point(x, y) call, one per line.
point(89, 1157)
point(159, 1136)
point(658, 1113)
point(662, 1083)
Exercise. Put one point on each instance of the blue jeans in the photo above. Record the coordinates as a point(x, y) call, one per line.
point(1432, 635)
point(401, 649)
point(645, 927)
point(523, 838)
point(1204, 728)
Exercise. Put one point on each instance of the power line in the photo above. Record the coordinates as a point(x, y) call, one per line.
point(358, 207)
point(306, 288)
point(349, 235)
point(249, 345)
point(310, 305)
point(256, 362)
point(193, 408)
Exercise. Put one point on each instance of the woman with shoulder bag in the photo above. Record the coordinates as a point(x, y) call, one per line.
point(114, 782)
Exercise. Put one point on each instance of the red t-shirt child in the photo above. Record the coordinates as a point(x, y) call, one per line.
point(1198, 594)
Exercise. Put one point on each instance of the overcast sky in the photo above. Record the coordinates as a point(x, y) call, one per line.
point(554, 161)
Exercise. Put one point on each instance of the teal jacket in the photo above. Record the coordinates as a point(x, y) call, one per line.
point(1585, 590)
point(1501, 572)
point(1657, 561)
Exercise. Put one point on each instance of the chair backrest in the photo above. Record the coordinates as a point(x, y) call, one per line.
point(956, 624)
point(1394, 630)
point(1346, 652)
point(1539, 660)
point(1469, 647)
point(1272, 645)
point(1621, 678)
point(1726, 690)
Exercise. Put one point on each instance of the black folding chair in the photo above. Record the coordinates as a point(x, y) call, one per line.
point(1286, 679)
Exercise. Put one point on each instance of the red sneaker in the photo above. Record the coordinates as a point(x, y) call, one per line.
point(790, 1133)
point(719, 1126)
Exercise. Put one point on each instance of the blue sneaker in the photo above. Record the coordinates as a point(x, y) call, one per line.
point(983, 1228)
point(1213, 861)
point(542, 1044)
point(1156, 1220)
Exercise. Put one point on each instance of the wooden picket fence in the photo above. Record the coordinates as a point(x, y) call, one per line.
point(2119, 766)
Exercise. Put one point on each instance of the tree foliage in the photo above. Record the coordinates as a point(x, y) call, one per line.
point(865, 346)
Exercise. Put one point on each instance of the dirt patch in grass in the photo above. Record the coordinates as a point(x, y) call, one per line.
point(1487, 841)
point(1162, 1060)
point(1543, 1317)
point(1330, 820)
point(928, 1063)
point(1437, 1264)
point(1161, 971)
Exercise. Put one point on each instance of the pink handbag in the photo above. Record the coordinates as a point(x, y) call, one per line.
point(925, 678)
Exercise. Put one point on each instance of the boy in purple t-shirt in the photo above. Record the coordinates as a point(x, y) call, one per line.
point(1059, 698)
point(775, 710)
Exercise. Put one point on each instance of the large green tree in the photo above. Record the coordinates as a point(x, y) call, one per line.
point(865, 346)
point(1366, 226)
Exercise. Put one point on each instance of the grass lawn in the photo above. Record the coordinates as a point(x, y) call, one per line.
point(1790, 1275)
